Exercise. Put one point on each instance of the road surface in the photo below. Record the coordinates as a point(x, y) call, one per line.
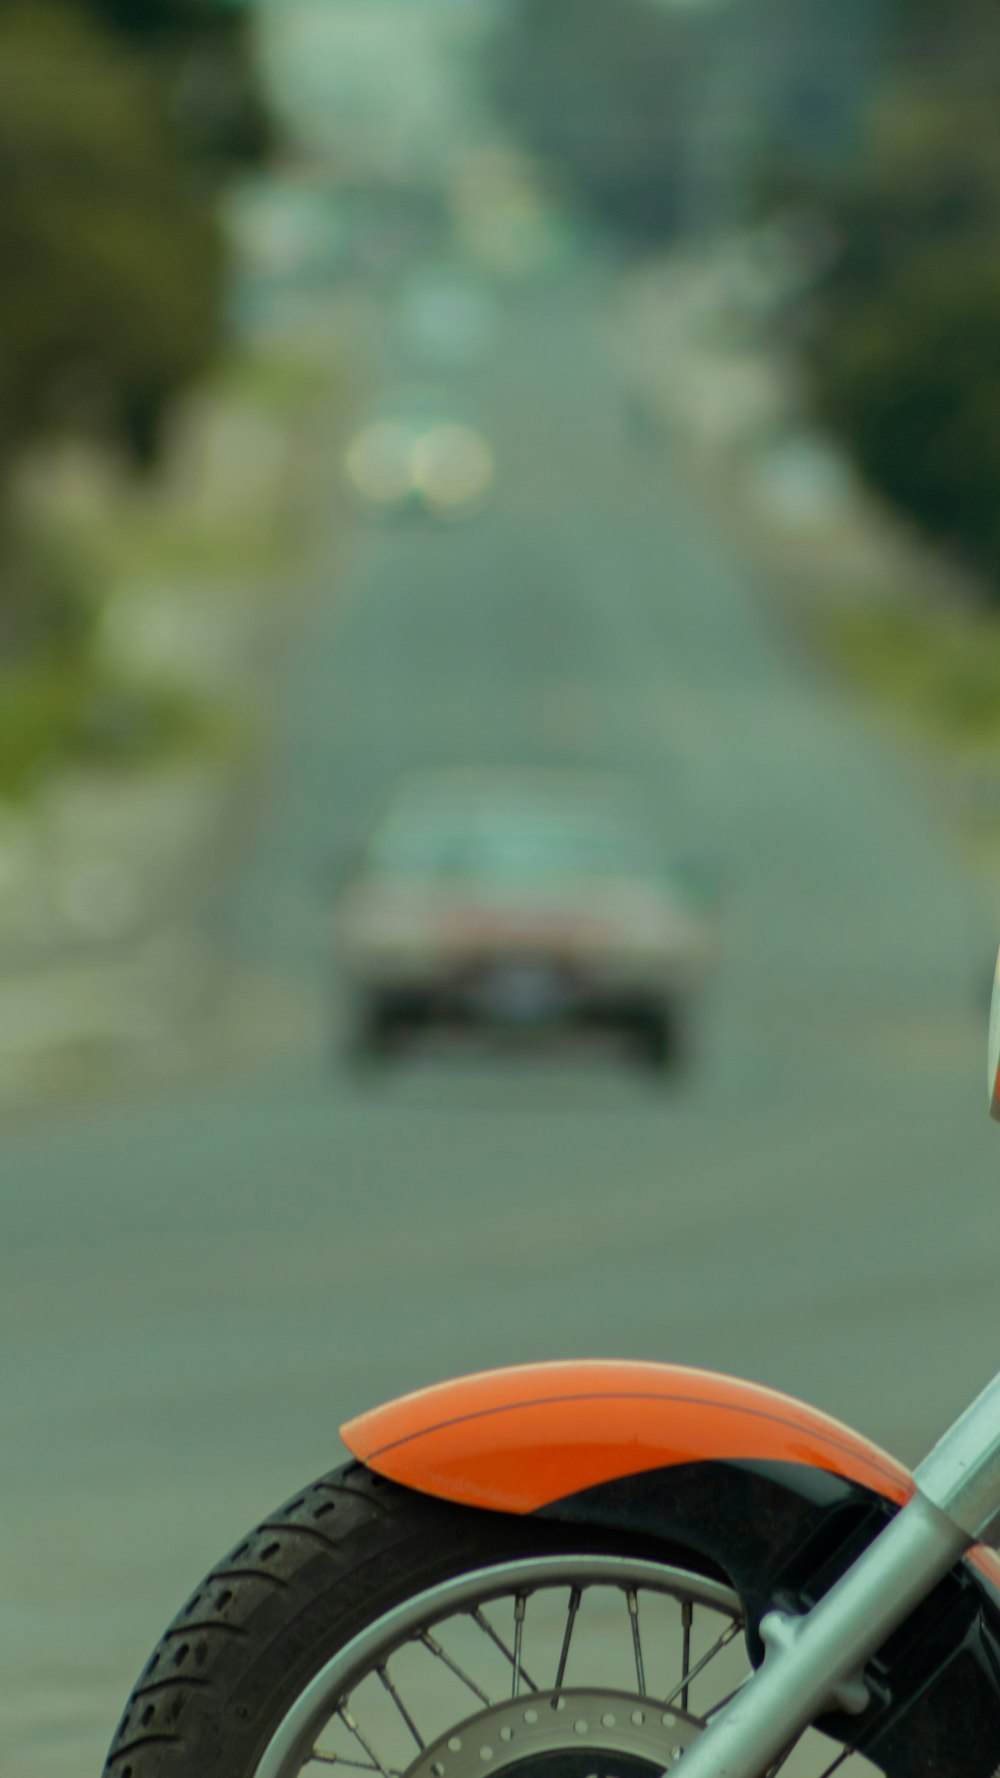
point(199, 1286)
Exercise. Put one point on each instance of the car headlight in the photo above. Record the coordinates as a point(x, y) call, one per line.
point(452, 467)
point(378, 462)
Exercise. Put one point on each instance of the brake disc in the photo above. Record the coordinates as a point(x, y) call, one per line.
point(583, 1734)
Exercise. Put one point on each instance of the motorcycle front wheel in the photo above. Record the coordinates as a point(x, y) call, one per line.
point(366, 1627)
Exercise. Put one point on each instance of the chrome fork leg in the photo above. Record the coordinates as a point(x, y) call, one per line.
point(814, 1662)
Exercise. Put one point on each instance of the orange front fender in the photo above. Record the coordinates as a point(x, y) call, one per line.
point(518, 1440)
point(759, 1488)
point(523, 1439)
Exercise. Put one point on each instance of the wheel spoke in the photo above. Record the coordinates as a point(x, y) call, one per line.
point(318, 1757)
point(721, 1703)
point(352, 1728)
point(520, 1607)
point(836, 1764)
point(412, 1723)
point(772, 1771)
point(687, 1619)
point(633, 1614)
point(723, 1641)
point(441, 1654)
point(482, 1621)
point(574, 1605)
point(383, 1674)
point(827, 1772)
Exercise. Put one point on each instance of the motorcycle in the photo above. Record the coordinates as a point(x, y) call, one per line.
point(599, 1570)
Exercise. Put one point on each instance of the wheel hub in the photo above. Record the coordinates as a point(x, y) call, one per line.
point(566, 1734)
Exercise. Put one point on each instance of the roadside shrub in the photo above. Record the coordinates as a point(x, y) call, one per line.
point(912, 383)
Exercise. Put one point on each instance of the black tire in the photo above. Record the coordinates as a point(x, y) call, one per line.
point(659, 1038)
point(268, 1617)
point(326, 1568)
point(375, 1032)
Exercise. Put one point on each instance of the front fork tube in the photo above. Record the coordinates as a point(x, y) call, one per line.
point(814, 1663)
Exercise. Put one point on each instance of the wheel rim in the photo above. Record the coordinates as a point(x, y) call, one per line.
point(561, 1667)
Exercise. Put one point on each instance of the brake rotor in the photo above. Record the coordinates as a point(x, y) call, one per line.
point(566, 1734)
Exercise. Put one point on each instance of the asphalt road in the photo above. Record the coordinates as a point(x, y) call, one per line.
point(199, 1286)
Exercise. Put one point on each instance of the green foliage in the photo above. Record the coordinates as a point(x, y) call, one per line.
point(57, 708)
point(45, 598)
point(928, 177)
point(110, 264)
point(200, 49)
point(123, 724)
point(598, 94)
point(938, 670)
point(155, 18)
point(905, 332)
point(41, 708)
point(114, 117)
point(913, 383)
point(954, 47)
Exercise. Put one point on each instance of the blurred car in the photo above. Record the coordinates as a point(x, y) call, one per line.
point(521, 901)
point(416, 454)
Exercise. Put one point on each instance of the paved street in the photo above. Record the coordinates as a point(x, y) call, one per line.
point(198, 1287)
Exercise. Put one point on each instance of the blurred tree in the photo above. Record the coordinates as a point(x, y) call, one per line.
point(602, 101)
point(929, 176)
point(113, 121)
point(904, 331)
point(146, 18)
point(913, 384)
point(201, 48)
point(110, 265)
point(954, 46)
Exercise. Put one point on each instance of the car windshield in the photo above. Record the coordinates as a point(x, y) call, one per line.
point(545, 850)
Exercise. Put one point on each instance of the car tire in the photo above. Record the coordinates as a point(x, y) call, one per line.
point(375, 1032)
point(659, 1038)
